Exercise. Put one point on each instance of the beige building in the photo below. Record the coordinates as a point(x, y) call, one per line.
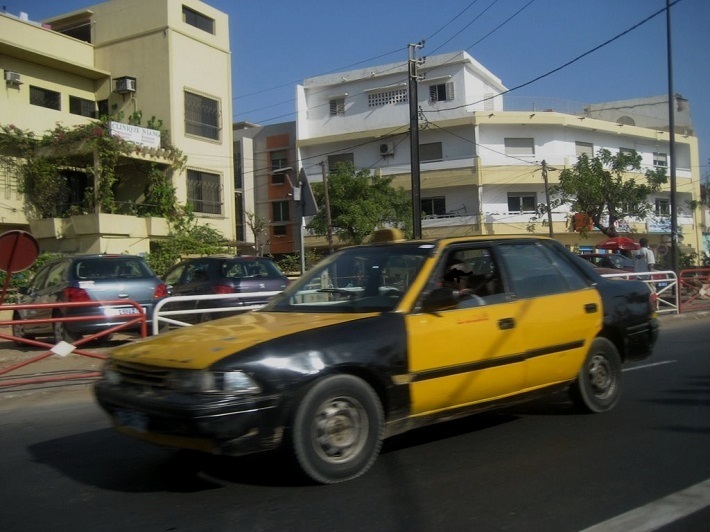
point(130, 59)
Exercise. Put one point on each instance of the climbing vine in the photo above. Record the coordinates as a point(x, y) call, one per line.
point(42, 162)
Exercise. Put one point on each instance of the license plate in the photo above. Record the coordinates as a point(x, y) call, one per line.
point(131, 419)
point(125, 311)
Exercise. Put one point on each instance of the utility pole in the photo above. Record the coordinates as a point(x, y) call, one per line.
point(328, 222)
point(547, 198)
point(671, 141)
point(414, 138)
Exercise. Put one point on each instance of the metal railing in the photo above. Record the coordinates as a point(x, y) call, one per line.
point(161, 317)
point(63, 348)
point(663, 283)
point(694, 288)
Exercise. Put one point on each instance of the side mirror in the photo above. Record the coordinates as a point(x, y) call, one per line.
point(440, 299)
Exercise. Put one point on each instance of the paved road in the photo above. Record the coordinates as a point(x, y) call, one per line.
point(534, 467)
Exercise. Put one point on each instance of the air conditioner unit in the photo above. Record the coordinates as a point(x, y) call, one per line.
point(387, 148)
point(12, 78)
point(125, 85)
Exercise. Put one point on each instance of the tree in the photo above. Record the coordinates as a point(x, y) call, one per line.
point(187, 239)
point(259, 228)
point(360, 203)
point(601, 190)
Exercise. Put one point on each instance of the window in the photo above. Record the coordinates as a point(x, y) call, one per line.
point(522, 202)
point(660, 159)
point(333, 160)
point(45, 98)
point(441, 92)
point(204, 192)
point(430, 152)
point(279, 160)
point(80, 106)
point(279, 211)
point(519, 146)
point(8, 176)
point(337, 106)
point(663, 207)
point(202, 116)
point(238, 177)
point(198, 20)
point(627, 151)
point(532, 272)
point(279, 230)
point(475, 270)
point(104, 109)
point(379, 99)
point(584, 148)
point(433, 206)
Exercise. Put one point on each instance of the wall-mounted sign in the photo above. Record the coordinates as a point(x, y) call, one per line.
point(148, 138)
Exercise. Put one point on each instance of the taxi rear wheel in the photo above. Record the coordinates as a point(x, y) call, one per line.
point(598, 385)
point(338, 429)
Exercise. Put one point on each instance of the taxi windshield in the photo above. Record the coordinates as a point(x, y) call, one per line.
point(360, 279)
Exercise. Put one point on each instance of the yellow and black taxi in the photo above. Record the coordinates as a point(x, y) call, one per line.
point(379, 339)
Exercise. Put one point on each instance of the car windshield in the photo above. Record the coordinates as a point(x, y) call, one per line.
point(110, 268)
point(361, 279)
point(250, 268)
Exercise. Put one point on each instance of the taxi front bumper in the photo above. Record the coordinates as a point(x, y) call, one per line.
point(220, 424)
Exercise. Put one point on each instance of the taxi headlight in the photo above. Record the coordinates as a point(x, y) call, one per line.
point(200, 381)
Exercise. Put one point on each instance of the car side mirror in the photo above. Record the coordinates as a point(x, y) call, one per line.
point(442, 298)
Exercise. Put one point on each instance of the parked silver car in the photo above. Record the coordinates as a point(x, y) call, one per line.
point(88, 278)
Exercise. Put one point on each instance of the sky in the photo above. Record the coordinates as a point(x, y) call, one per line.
point(277, 44)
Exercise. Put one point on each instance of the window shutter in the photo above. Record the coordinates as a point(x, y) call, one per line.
point(450, 90)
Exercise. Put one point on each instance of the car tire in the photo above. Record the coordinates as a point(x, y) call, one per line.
point(19, 331)
point(62, 334)
point(598, 386)
point(338, 429)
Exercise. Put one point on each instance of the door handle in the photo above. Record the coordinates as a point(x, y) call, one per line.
point(506, 323)
point(590, 308)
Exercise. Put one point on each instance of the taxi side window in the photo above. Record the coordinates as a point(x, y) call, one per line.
point(474, 276)
point(532, 271)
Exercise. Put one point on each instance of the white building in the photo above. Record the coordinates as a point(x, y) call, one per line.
point(481, 165)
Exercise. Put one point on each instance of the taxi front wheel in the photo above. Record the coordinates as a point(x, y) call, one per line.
point(337, 429)
point(598, 385)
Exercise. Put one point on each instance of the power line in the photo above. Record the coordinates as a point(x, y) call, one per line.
point(565, 65)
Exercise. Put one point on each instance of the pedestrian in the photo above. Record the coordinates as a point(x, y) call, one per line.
point(644, 260)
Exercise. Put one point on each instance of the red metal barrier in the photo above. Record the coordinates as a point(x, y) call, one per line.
point(694, 286)
point(138, 319)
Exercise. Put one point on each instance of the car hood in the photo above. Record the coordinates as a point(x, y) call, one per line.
point(200, 346)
